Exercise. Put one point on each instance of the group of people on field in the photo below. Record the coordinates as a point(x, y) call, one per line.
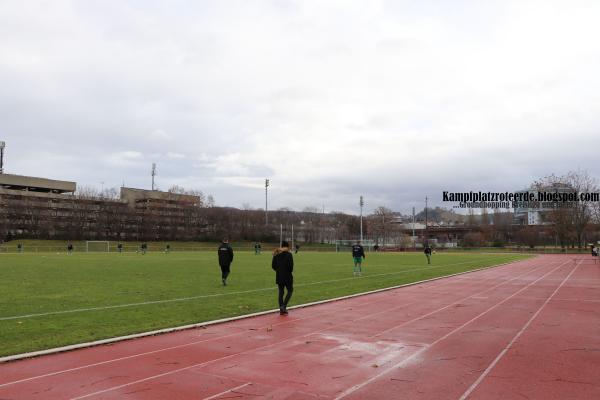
point(283, 265)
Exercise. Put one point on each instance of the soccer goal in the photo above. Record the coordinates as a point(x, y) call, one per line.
point(345, 245)
point(97, 246)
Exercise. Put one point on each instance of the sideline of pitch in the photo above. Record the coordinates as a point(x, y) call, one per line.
point(229, 319)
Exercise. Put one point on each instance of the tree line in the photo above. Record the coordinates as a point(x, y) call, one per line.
point(94, 215)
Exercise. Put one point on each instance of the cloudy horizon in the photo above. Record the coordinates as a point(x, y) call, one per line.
point(330, 100)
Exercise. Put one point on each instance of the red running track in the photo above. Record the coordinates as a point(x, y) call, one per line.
point(527, 330)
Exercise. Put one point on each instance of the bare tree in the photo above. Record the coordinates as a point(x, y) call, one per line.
point(570, 219)
point(380, 224)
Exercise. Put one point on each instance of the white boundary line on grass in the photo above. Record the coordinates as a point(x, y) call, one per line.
point(206, 296)
point(223, 320)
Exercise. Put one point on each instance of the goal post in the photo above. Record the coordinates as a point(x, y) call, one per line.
point(97, 246)
point(345, 245)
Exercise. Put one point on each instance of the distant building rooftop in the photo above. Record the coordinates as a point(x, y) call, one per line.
point(132, 195)
point(33, 184)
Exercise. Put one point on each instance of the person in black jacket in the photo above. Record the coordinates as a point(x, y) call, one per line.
point(358, 254)
point(283, 265)
point(427, 252)
point(225, 253)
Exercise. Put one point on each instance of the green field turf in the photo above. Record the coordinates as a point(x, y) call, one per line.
point(56, 284)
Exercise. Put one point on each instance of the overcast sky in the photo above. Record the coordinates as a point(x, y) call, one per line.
point(393, 100)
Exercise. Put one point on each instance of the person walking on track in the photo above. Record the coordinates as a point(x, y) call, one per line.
point(283, 265)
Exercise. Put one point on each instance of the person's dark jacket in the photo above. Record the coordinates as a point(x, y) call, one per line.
point(283, 265)
point(225, 255)
point(358, 251)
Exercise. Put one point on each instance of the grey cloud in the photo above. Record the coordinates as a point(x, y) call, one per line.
point(390, 100)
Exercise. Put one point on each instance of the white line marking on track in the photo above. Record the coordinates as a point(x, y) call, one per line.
point(474, 296)
point(417, 353)
point(514, 339)
point(227, 391)
point(284, 341)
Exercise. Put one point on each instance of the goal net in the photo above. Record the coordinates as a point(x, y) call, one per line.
point(345, 245)
point(97, 245)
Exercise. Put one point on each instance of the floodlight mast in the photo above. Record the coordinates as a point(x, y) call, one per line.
point(266, 202)
point(2, 146)
point(361, 203)
point(413, 229)
point(426, 223)
point(153, 174)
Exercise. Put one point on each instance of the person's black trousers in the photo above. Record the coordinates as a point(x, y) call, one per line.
point(224, 271)
point(290, 289)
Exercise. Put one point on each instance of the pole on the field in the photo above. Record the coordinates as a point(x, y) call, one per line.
point(413, 230)
point(2, 146)
point(362, 203)
point(292, 236)
point(280, 234)
point(266, 202)
point(426, 223)
point(153, 174)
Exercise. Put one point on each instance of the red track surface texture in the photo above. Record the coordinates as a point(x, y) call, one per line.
point(527, 330)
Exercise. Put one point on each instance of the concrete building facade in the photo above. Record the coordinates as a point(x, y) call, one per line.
point(46, 208)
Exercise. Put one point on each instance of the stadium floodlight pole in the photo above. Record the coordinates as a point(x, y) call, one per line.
point(153, 174)
point(426, 223)
point(2, 146)
point(361, 203)
point(413, 229)
point(266, 202)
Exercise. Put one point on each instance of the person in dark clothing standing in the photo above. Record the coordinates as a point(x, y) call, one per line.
point(225, 258)
point(427, 252)
point(283, 265)
point(358, 254)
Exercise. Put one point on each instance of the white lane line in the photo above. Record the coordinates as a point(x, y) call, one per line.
point(514, 339)
point(206, 296)
point(417, 353)
point(227, 391)
point(474, 296)
point(274, 344)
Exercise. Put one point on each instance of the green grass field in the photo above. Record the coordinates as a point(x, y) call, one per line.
point(184, 287)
